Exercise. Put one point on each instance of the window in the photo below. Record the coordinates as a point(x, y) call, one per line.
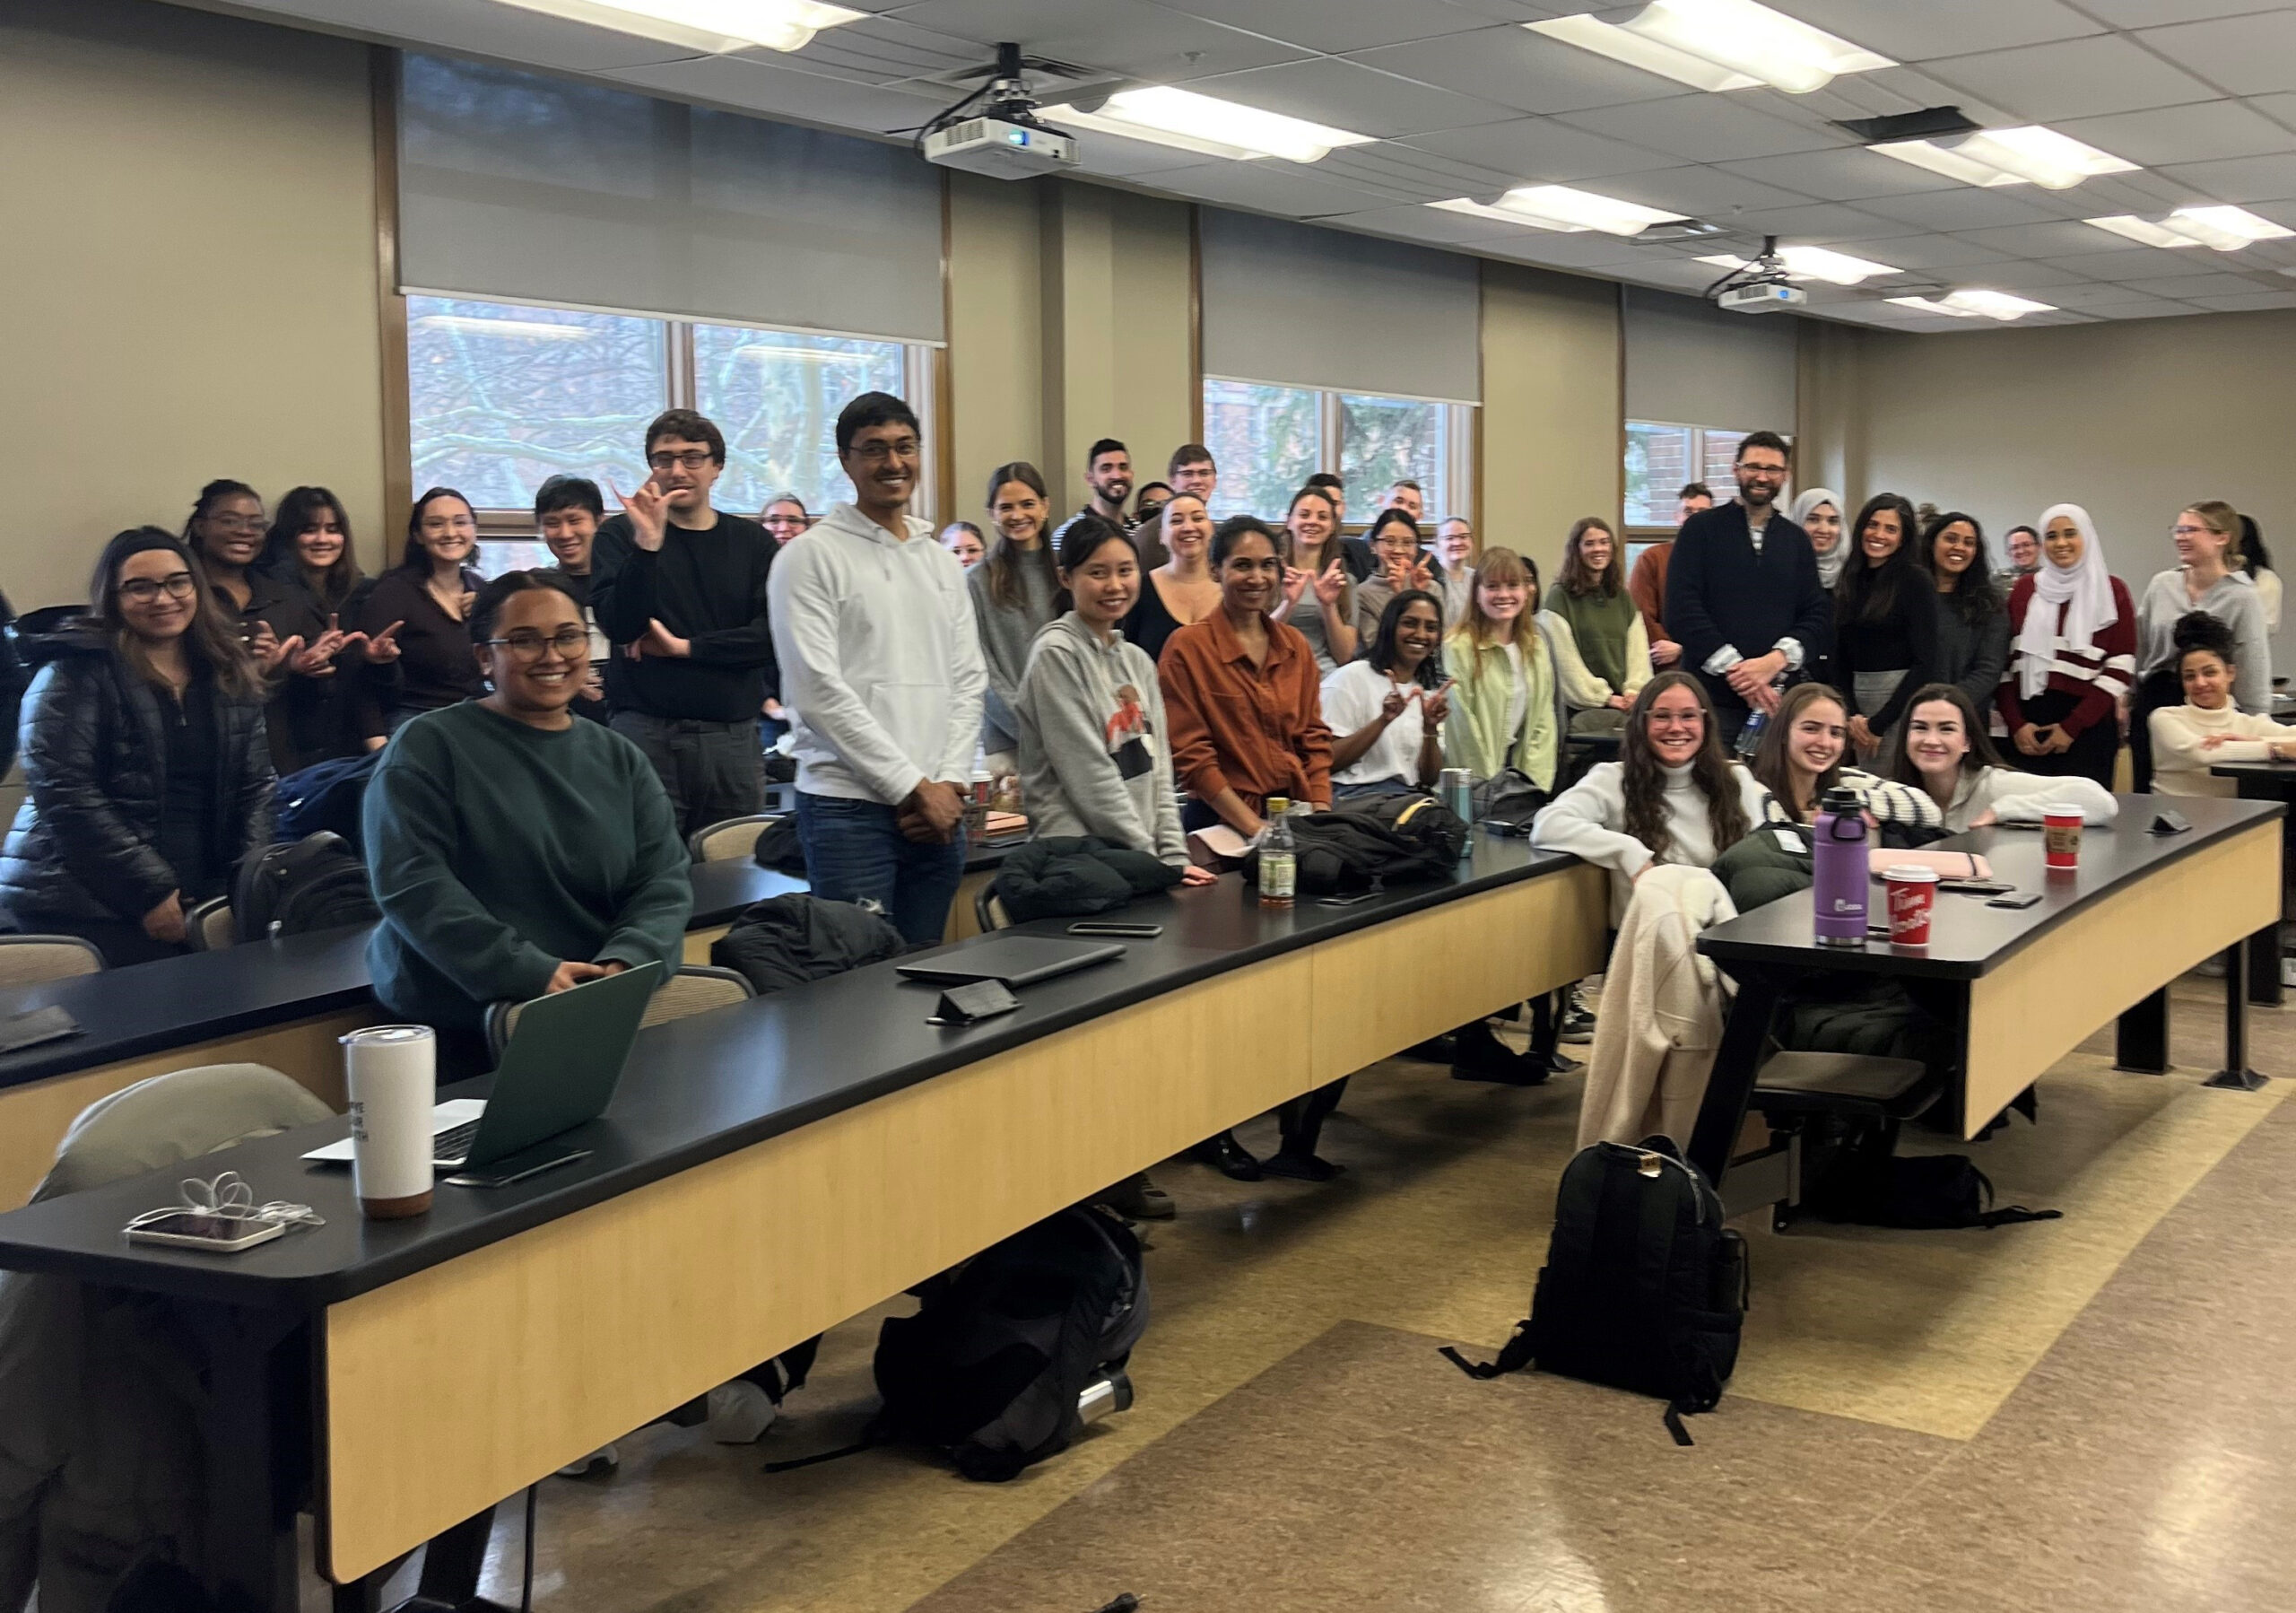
point(1269, 439)
point(1661, 457)
point(501, 396)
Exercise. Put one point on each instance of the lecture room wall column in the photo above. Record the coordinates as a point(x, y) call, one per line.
point(996, 328)
point(1551, 407)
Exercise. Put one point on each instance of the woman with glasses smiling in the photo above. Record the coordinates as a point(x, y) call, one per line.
point(428, 595)
point(147, 773)
point(513, 850)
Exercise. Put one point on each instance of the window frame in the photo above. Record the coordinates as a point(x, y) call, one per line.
point(1698, 470)
point(1455, 452)
point(920, 373)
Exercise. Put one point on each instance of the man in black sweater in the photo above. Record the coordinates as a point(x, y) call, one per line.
point(680, 588)
point(1742, 594)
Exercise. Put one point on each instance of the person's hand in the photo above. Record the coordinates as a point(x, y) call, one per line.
point(2214, 740)
point(316, 660)
point(571, 974)
point(165, 922)
point(1986, 819)
point(660, 641)
point(1741, 680)
point(1422, 575)
point(2026, 739)
point(1295, 584)
point(382, 647)
point(649, 509)
point(267, 649)
point(1193, 875)
point(1764, 698)
point(594, 687)
point(1331, 584)
point(1621, 702)
point(772, 708)
point(1636, 878)
point(1665, 652)
point(1435, 705)
point(1861, 734)
point(931, 814)
point(2059, 741)
point(1393, 706)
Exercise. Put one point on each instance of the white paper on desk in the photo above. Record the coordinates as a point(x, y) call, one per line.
point(1216, 845)
point(444, 1117)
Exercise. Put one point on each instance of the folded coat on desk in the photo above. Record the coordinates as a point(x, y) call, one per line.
point(1663, 1004)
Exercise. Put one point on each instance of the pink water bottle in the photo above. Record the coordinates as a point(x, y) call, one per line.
point(1837, 869)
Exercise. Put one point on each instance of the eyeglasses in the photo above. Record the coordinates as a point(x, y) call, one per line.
point(526, 645)
point(793, 522)
point(2189, 531)
point(691, 459)
point(877, 450)
point(143, 591)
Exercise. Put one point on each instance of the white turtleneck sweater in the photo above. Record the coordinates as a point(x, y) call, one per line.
point(1588, 820)
point(2179, 763)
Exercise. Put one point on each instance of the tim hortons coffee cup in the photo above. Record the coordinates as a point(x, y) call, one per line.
point(1913, 898)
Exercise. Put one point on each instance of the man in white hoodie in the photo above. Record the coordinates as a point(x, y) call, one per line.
point(881, 666)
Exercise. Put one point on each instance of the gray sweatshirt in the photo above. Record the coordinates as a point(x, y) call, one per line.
point(1096, 755)
point(2233, 601)
point(1005, 632)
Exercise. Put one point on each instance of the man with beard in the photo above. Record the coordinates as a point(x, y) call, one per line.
point(881, 663)
point(1107, 472)
point(681, 587)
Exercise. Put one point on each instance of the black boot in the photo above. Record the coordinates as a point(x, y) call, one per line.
point(1545, 1035)
point(1228, 1157)
point(1482, 1057)
point(1301, 1121)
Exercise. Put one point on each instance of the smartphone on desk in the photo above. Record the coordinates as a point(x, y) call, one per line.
point(218, 1235)
point(1111, 926)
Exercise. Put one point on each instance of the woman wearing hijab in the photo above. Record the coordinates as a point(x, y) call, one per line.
point(2073, 654)
point(1818, 512)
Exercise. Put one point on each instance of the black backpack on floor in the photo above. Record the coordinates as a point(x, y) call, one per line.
point(991, 1366)
point(1392, 840)
point(297, 887)
point(1644, 1288)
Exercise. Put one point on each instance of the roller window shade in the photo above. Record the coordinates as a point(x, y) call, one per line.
point(1693, 364)
point(536, 189)
point(1304, 307)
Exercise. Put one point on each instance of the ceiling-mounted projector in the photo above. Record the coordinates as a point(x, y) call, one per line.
point(1763, 297)
point(994, 130)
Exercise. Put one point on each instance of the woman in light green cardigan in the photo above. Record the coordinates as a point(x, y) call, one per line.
point(1506, 710)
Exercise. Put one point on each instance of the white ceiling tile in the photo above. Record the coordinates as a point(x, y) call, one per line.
point(2136, 265)
point(1287, 189)
point(879, 50)
point(746, 85)
point(1521, 69)
point(2058, 238)
point(1346, 96)
point(507, 33)
point(2201, 133)
point(1334, 25)
point(1929, 252)
point(2248, 301)
point(1848, 173)
point(2155, 308)
point(1418, 221)
point(2152, 13)
point(1962, 209)
point(1915, 32)
point(1122, 36)
point(1541, 151)
point(2239, 179)
point(1407, 174)
point(1705, 128)
point(1699, 192)
point(2038, 278)
point(1113, 157)
point(2075, 78)
point(2246, 55)
point(2202, 284)
point(2281, 108)
point(1608, 253)
point(2097, 294)
point(1820, 223)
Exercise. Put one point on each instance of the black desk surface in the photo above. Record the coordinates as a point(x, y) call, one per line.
point(2279, 773)
point(1969, 940)
point(696, 1089)
point(176, 1002)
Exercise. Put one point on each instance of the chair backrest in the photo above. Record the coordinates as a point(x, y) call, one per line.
point(28, 959)
point(729, 838)
point(989, 909)
point(207, 926)
point(696, 988)
point(178, 1116)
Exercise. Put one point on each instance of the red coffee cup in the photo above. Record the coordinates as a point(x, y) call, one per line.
point(2061, 836)
point(1913, 897)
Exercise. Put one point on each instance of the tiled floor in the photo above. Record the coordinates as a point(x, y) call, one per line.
point(2085, 1413)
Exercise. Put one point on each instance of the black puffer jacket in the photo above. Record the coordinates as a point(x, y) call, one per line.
point(85, 844)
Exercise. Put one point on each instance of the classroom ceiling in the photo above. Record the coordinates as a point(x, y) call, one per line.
point(1465, 101)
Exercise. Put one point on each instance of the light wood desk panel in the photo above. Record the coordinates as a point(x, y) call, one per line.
point(2047, 999)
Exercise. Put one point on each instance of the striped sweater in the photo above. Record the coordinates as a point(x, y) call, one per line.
point(1893, 804)
point(2095, 673)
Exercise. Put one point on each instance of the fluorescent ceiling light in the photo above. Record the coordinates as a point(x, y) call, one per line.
point(1815, 263)
point(2225, 228)
point(1561, 207)
point(1972, 304)
point(1719, 45)
point(2028, 155)
point(1199, 123)
point(715, 26)
point(1607, 38)
point(532, 330)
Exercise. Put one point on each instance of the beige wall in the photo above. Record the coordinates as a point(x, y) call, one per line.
point(996, 334)
point(1551, 407)
point(190, 290)
point(2132, 420)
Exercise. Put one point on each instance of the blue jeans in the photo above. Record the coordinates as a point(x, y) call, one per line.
point(855, 852)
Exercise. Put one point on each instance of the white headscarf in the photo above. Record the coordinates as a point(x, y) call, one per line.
point(2086, 590)
point(1828, 562)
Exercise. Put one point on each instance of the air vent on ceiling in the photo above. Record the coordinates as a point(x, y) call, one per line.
point(1930, 123)
point(1682, 229)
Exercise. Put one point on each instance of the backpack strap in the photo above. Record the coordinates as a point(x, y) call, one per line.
point(1513, 1358)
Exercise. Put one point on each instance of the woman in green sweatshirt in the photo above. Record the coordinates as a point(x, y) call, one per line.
point(513, 850)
